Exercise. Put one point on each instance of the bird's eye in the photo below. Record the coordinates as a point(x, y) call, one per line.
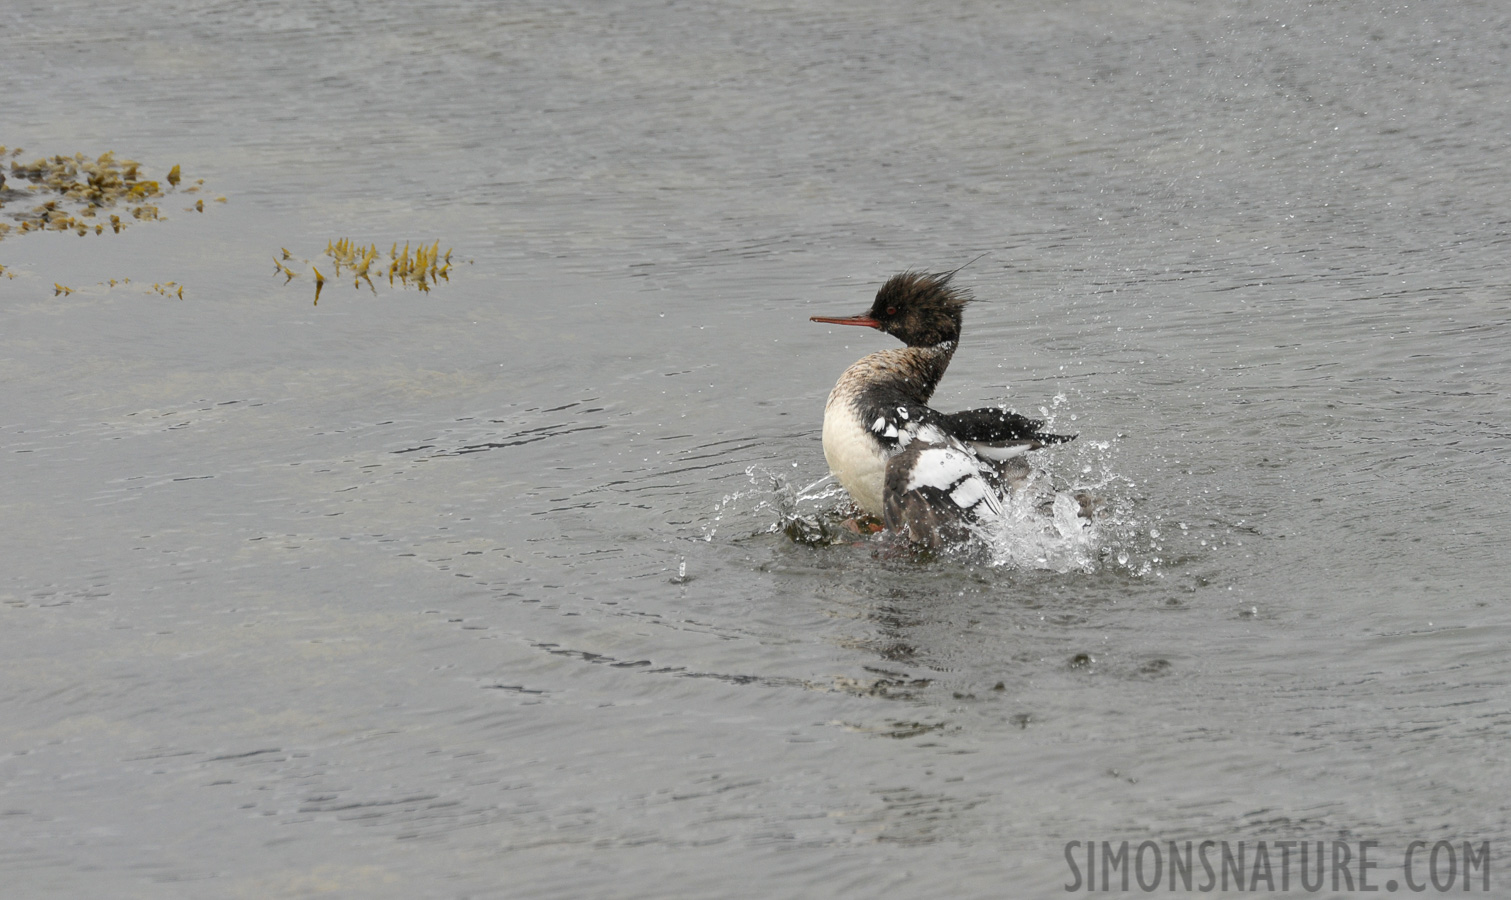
point(891, 310)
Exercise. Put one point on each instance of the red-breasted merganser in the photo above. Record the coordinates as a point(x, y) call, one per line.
point(926, 474)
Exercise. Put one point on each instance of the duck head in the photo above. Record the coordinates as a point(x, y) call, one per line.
point(921, 309)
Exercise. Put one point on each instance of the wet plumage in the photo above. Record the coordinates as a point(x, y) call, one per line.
point(926, 474)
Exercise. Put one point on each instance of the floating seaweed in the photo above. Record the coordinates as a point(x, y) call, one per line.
point(421, 268)
point(75, 190)
point(80, 194)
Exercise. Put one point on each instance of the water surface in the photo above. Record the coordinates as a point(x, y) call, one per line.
point(483, 592)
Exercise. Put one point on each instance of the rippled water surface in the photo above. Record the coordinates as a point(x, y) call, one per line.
point(485, 591)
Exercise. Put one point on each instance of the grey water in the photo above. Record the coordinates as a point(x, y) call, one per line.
point(485, 591)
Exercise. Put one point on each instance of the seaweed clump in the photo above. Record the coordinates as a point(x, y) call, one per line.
point(80, 193)
point(421, 268)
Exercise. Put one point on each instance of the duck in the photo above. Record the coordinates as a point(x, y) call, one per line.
point(931, 477)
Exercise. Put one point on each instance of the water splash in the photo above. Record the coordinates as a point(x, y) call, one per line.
point(809, 515)
point(1044, 528)
point(1125, 536)
point(1076, 515)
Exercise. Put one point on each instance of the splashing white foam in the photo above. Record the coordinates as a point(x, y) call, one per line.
point(772, 499)
point(1042, 526)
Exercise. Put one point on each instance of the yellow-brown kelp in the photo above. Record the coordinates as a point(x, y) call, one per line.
point(422, 267)
point(77, 189)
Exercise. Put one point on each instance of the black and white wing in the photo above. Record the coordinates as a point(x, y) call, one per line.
point(999, 434)
point(946, 473)
point(934, 493)
point(993, 432)
point(899, 425)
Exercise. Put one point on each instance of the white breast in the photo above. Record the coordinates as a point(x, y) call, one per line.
point(853, 455)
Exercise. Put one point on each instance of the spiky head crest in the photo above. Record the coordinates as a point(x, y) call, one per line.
point(922, 309)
